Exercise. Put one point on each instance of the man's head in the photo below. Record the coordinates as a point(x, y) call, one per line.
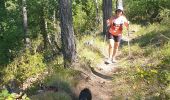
point(119, 11)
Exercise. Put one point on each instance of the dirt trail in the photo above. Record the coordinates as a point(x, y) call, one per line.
point(99, 81)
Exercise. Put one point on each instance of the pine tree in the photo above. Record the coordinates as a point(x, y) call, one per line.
point(67, 33)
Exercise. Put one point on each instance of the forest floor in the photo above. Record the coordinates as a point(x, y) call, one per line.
point(133, 77)
point(100, 80)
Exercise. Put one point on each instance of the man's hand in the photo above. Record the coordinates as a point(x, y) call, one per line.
point(108, 22)
point(127, 25)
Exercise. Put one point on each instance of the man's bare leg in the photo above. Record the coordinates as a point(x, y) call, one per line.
point(115, 50)
point(110, 50)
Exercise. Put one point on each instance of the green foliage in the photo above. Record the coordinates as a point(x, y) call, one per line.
point(11, 31)
point(148, 66)
point(58, 76)
point(93, 52)
point(61, 77)
point(150, 50)
point(165, 15)
point(84, 15)
point(151, 39)
point(146, 72)
point(4, 95)
point(52, 96)
point(24, 67)
point(79, 18)
point(143, 11)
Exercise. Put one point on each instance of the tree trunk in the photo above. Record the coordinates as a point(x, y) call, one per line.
point(2, 15)
point(67, 33)
point(25, 24)
point(119, 3)
point(54, 20)
point(97, 11)
point(107, 13)
point(43, 26)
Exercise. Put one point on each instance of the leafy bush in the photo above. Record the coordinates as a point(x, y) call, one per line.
point(148, 68)
point(5, 95)
point(24, 67)
point(84, 16)
point(52, 96)
point(144, 11)
point(165, 15)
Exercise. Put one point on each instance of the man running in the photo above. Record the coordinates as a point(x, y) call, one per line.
point(115, 24)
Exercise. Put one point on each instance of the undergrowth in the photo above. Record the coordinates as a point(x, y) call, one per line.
point(147, 69)
point(145, 73)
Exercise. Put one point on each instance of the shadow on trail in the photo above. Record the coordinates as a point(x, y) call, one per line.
point(154, 38)
point(149, 41)
point(101, 75)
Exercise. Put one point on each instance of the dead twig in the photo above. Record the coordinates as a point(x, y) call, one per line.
point(165, 36)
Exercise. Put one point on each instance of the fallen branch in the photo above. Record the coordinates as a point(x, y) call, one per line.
point(165, 36)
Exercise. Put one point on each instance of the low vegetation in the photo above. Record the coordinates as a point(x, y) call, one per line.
point(145, 74)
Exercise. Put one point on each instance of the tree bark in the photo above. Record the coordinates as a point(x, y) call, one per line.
point(97, 11)
point(43, 26)
point(25, 24)
point(2, 15)
point(67, 33)
point(107, 13)
point(119, 3)
point(54, 19)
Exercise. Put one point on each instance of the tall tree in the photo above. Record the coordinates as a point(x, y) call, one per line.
point(119, 3)
point(67, 33)
point(2, 14)
point(97, 11)
point(43, 25)
point(107, 12)
point(25, 24)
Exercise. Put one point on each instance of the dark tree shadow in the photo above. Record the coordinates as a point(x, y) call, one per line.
point(153, 39)
point(101, 75)
point(58, 86)
point(157, 38)
point(10, 45)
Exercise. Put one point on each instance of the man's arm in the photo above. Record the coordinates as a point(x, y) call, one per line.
point(108, 22)
point(126, 22)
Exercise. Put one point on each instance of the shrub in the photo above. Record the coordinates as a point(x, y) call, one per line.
point(24, 67)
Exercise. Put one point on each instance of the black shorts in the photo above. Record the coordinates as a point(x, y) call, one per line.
point(114, 37)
